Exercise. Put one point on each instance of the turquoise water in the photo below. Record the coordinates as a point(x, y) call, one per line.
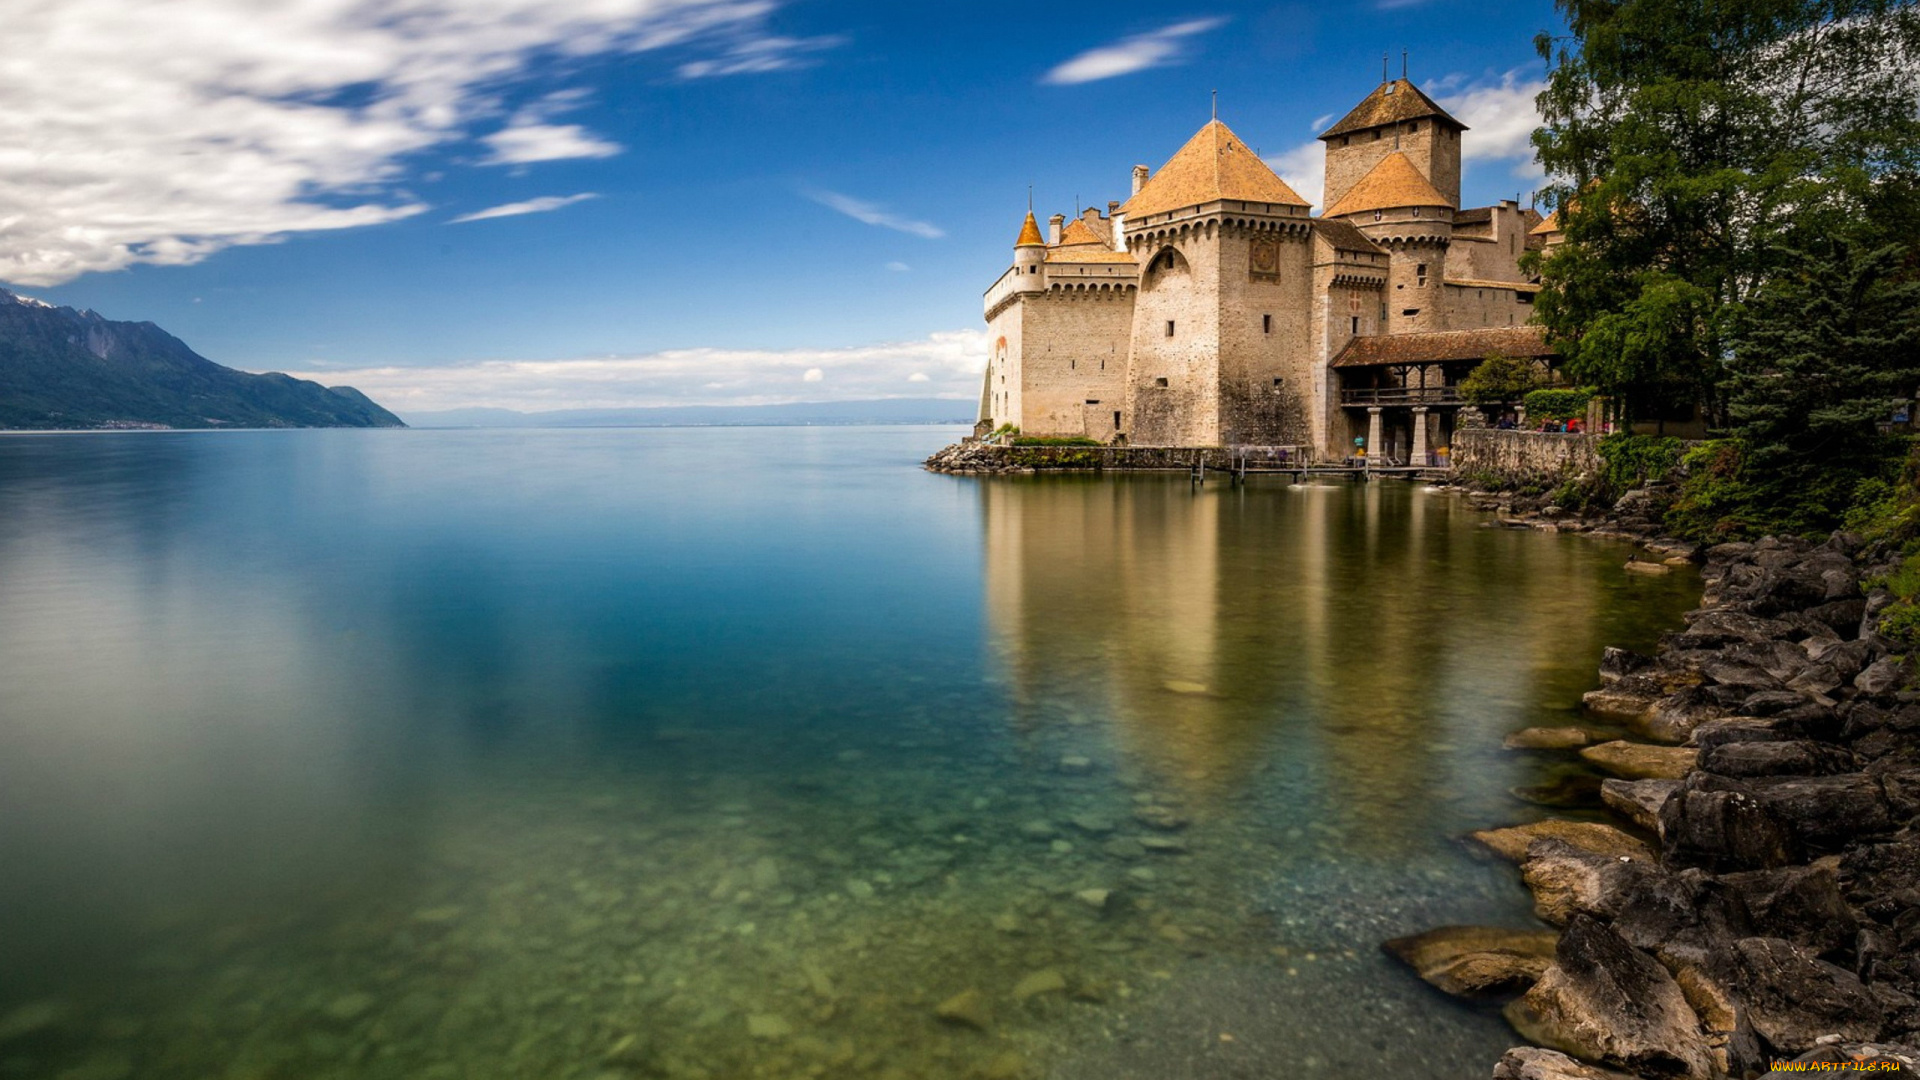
point(740, 752)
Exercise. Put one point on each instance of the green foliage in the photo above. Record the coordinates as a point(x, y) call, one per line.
point(1055, 440)
point(1694, 148)
point(1557, 404)
point(1633, 460)
point(1043, 457)
point(1500, 380)
point(1726, 496)
point(1573, 496)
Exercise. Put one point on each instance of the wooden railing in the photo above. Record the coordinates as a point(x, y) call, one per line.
point(1403, 395)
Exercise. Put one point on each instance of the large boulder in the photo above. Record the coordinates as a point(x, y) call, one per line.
point(1800, 757)
point(1825, 813)
point(1801, 904)
point(1477, 961)
point(1589, 836)
point(1792, 997)
point(1639, 801)
point(1720, 824)
point(1641, 761)
point(1672, 718)
point(1537, 1063)
point(1610, 1003)
point(1646, 905)
point(1739, 729)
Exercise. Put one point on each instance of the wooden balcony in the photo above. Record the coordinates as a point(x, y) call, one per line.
point(1403, 395)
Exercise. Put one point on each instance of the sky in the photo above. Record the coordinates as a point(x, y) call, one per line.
point(543, 204)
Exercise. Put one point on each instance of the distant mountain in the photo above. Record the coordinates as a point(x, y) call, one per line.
point(62, 368)
point(887, 411)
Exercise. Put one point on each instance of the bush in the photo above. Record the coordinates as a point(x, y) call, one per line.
point(1633, 460)
point(1557, 404)
point(1726, 497)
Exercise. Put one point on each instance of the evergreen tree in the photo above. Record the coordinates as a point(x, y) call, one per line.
point(1695, 147)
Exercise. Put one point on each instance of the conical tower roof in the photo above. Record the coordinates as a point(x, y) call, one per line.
point(1393, 102)
point(1030, 233)
point(1214, 165)
point(1394, 183)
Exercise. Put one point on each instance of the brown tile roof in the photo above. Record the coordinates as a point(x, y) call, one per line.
point(1393, 102)
point(1393, 183)
point(1213, 165)
point(1083, 253)
point(1077, 232)
point(1439, 345)
point(1029, 233)
point(1473, 216)
point(1344, 237)
point(1550, 225)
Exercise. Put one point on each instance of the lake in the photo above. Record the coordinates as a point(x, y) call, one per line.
point(705, 753)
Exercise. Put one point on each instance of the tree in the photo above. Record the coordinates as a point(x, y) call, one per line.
point(1500, 380)
point(1694, 147)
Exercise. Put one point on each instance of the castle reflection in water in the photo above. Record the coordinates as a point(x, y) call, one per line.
point(1349, 640)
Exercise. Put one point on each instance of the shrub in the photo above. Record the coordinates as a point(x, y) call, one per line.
point(1633, 460)
point(1499, 380)
point(1557, 404)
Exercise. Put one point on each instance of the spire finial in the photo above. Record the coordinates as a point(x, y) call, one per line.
point(1216, 104)
point(1403, 63)
point(1029, 198)
point(1383, 67)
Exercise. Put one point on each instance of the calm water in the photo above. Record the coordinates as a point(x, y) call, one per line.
point(734, 753)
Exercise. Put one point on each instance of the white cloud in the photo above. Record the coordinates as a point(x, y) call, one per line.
point(759, 55)
point(164, 132)
point(1303, 168)
point(899, 267)
point(1124, 57)
point(919, 376)
point(1502, 116)
point(951, 361)
point(813, 374)
point(531, 206)
point(528, 143)
point(875, 214)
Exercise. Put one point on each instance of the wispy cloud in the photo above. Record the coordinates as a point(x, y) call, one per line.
point(531, 206)
point(758, 55)
point(875, 214)
point(238, 122)
point(944, 364)
point(529, 143)
point(1503, 115)
point(1159, 48)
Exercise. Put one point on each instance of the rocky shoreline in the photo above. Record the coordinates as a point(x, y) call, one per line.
point(1757, 899)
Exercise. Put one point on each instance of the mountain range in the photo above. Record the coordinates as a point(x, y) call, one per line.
point(64, 369)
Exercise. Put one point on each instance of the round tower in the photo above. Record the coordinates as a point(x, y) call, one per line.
point(1029, 252)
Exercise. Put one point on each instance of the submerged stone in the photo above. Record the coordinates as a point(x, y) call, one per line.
point(968, 1008)
point(1047, 981)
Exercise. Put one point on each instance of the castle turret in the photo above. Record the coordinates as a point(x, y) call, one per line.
point(1029, 252)
point(1399, 210)
point(1395, 117)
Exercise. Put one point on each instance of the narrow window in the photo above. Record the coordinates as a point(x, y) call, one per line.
point(1378, 214)
point(1355, 327)
point(1116, 419)
point(1276, 380)
point(1415, 126)
point(1073, 365)
point(1169, 327)
point(1410, 311)
point(1093, 401)
point(1266, 324)
point(1421, 273)
point(1416, 211)
point(1162, 381)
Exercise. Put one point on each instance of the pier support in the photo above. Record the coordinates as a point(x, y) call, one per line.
point(1376, 440)
point(1419, 454)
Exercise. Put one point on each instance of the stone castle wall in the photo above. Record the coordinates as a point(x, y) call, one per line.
point(1073, 361)
point(1525, 457)
point(1172, 391)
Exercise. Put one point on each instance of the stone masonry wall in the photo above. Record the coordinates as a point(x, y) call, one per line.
point(1525, 457)
point(1073, 368)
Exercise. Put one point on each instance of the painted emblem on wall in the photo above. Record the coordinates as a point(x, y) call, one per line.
point(1263, 260)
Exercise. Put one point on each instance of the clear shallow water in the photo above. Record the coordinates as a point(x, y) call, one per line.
point(734, 752)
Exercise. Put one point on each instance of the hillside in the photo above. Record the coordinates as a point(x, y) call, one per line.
point(883, 411)
point(62, 368)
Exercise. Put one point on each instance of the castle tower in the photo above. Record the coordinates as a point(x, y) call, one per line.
point(1220, 339)
point(1399, 210)
point(1395, 117)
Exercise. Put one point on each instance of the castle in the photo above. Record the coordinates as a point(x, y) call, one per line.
point(1213, 309)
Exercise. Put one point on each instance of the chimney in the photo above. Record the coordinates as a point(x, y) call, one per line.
point(1113, 207)
point(1139, 178)
point(1053, 227)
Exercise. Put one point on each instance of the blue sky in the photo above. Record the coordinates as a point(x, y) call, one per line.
point(665, 201)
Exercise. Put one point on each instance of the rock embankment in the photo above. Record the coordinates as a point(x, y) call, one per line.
point(1760, 901)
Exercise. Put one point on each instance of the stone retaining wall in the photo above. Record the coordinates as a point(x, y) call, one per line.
point(985, 457)
point(1522, 457)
